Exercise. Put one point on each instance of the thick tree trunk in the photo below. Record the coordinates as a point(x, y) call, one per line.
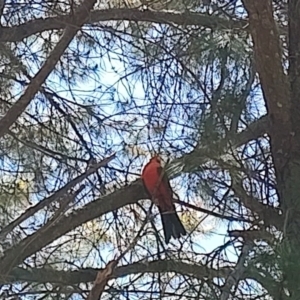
point(282, 97)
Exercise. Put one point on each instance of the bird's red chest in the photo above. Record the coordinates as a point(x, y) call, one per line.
point(152, 180)
point(158, 186)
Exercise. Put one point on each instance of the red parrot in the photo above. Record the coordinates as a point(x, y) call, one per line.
point(160, 192)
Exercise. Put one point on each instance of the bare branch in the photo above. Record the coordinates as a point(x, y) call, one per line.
point(20, 32)
point(41, 275)
point(18, 108)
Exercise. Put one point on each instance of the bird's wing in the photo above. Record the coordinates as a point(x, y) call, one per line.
point(165, 180)
point(166, 202)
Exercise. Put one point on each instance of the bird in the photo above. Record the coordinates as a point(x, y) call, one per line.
point(159, 190)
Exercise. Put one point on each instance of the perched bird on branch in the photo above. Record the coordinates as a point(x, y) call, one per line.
point(160, 192)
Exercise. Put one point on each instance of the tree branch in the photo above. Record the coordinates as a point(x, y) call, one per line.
point(19, 32)
point(18, 108)
point(42, 275)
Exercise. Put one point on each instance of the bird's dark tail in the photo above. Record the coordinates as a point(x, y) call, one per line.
point(172, 225)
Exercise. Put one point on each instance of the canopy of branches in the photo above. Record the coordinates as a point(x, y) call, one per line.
point(90, 90)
